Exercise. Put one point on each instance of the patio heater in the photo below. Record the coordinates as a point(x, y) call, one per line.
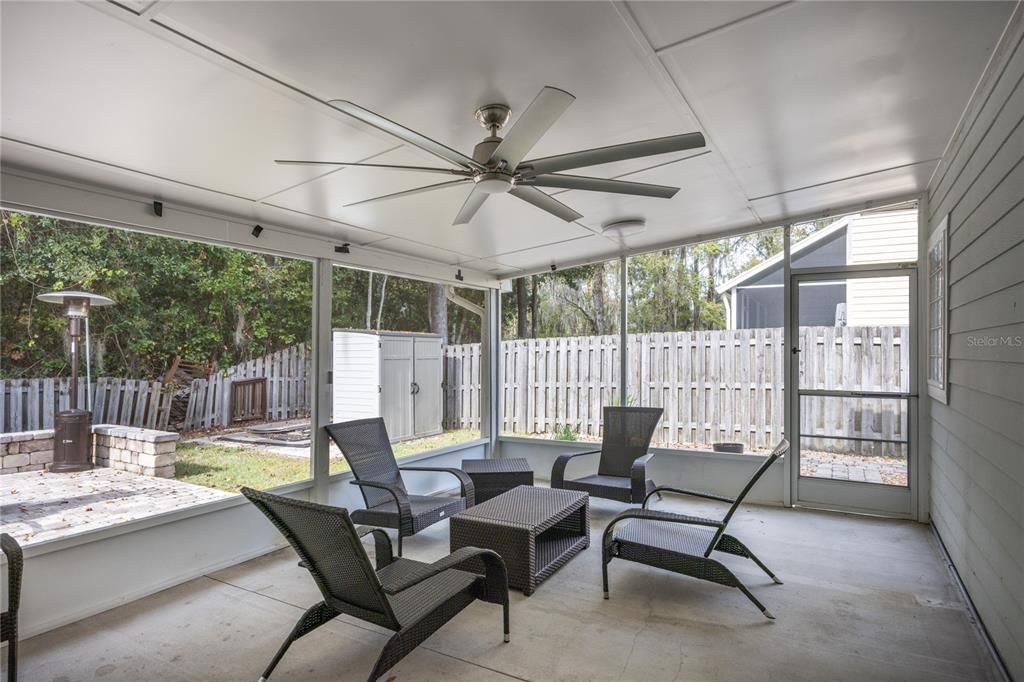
point(72, 427)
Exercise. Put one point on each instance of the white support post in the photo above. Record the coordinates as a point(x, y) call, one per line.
point(490, 371)
point(790, 330)
point(623, 337)
point(320, 407)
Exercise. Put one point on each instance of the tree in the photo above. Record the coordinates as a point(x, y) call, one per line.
point(205, 303)
point(521, 303)
point(439, 311)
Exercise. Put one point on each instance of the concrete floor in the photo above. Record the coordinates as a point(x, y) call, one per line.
point(863, 599)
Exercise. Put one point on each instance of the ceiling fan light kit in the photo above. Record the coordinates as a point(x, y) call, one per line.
point(498, 166)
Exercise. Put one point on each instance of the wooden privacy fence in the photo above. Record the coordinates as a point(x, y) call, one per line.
point(287, 390)
point(713, 385)
point(462, 386)
point(30, 404)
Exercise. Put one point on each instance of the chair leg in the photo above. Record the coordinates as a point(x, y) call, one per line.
point(389, 656)
point(717, 572)
point(399, 542)
point(505, 608)
point(604, 574)
point(730, 545)
point(12, 657)
point(313, 618)
point(751, 597)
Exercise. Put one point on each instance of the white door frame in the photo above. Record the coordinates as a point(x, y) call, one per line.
point(869, 498)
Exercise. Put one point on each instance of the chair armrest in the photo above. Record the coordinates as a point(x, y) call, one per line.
point(465, 482)
point(401, 501)
point(558, 469)
point(495, 575)
point(381, 544)
point(638, 477)
point(684, 491)
point(652, 515)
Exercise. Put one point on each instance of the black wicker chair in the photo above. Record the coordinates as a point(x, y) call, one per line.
point(9, 618)
point(409, 597)
point(367, 448)
point(681, 543)
point(622, 472)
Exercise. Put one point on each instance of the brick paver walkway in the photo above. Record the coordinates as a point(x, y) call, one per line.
point(37, 506)
point(887, 470)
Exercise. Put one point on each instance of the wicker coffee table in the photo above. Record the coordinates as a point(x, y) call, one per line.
point(535, 530)
point(492, 477)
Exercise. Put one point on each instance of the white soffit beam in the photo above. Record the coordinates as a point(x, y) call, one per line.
point(75, 201)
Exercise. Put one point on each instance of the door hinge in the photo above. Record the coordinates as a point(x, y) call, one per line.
point(330, 377)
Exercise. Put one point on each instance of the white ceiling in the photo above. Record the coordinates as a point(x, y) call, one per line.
point(806, 107)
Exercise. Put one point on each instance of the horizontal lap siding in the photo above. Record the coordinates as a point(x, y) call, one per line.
point(977, 438)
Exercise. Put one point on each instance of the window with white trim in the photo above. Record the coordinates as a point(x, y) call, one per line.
point(938, 262)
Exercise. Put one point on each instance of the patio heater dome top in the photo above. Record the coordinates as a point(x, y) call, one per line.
point(76, 303)
point(63, 296)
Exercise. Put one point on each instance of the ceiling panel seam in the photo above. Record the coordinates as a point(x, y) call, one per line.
point(330, 172)
point(545, 246)
point(268, 79)
point(154, 9)
point(724, 27)
point(661, 73)
point(844, 179)
point(125, 169)
point(167, 30)
point(642, 170)
point(383, 235)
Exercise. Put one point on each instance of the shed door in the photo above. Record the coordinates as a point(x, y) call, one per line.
point(396, 380)
point(429, 400)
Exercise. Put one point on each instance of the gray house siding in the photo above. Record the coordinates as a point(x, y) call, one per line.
point(759, 301)
point(977, 438)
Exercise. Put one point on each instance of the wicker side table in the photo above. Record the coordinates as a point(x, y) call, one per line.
point(492, 477)
point(535, 530)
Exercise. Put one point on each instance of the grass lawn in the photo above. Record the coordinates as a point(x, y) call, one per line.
point(414, 447)
point(229, 468)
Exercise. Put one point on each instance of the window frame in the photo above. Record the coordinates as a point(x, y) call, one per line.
point(938, 307)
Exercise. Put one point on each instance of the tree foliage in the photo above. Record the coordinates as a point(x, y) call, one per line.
point(669, 290)
point(208, 304)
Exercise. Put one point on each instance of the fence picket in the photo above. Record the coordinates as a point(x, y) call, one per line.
point(713, 385)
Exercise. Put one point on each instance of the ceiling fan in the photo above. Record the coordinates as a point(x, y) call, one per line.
point(498, 166)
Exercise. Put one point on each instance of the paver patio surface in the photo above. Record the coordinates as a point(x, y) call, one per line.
point(42, 505)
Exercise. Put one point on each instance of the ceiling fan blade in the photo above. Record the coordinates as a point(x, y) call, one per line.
point(618, 152)
point(385, 166)
point(406, 135)
point(639, 189)
point(416, 190)
point(473, 203)
point(546, 108)
point(541, 200)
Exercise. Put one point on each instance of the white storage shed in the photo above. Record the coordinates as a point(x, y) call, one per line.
point(394, 375)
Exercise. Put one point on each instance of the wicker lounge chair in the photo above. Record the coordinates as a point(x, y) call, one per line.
point(9, 619)
point(411, 598)
point(622, 472)
point(367, 448)
point(681, 543)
